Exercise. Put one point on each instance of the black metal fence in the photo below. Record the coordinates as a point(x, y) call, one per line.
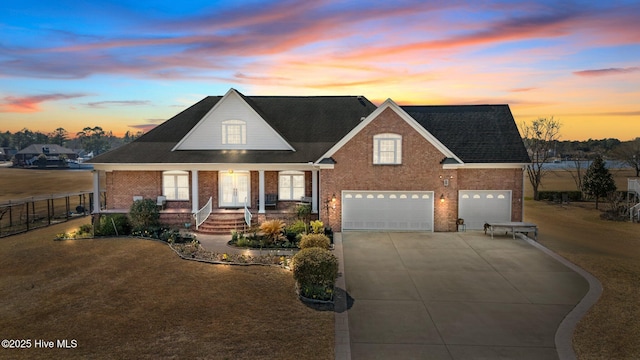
point(18, 216)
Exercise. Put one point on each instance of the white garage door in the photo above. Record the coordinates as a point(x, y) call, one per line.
point(478, 207)
point(387, 210)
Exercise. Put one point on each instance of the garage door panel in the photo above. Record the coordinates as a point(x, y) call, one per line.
point(478, 207)
point(387, 210)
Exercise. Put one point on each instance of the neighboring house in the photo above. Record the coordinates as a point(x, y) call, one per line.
point(56, 155)
point(362, 167)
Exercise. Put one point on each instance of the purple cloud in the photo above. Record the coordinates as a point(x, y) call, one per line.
point(102, 104)
point(606, 72)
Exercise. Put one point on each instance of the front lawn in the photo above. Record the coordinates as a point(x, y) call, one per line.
point(132, 298)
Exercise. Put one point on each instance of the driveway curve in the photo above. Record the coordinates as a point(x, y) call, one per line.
point(454, 296)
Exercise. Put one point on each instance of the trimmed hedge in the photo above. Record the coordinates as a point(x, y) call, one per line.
point(315, 266)
point(314, 240)
point(557, 195)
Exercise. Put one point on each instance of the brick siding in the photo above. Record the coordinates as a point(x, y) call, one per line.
point(420, 171)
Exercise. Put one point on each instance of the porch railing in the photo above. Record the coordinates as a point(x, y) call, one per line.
point(203, 213)
point(633, 185)
point(247, 214)
point(634, 211)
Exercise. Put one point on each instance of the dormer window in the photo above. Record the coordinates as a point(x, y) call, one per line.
point(234, 132)
point(387, 149)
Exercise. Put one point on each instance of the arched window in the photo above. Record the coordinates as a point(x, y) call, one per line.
point(175, 185)
point(234, 132)
point(387, 149)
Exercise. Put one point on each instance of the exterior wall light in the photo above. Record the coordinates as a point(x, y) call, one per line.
point(445, 179)
point(332, 202)
point(442, 198)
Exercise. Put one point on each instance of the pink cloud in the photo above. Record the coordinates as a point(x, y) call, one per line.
point(29, 104)
point(143, 127)
point(522, 89)
point(607, 72)
point(102, 104)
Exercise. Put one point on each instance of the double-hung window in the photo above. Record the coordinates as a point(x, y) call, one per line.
point(175, 185)
point(387, 149)
point(290, 185)
point(234, 132)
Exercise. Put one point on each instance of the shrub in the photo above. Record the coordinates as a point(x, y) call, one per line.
point(243, 242)
point(272, 230)
point(303, 211)
point(106, 225)
point(557, 195)
point(293, 230)
point(317, 227)
point(144, 214)
point(314, 240)
point(85, 229)
point(315, 266)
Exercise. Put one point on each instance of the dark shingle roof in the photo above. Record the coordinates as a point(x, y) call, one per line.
point(312, 125)
point(475, 133)
point(52, 149)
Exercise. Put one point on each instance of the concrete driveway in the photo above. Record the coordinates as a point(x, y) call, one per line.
point(454, 296)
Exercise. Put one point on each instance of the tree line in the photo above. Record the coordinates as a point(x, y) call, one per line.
point(91, 139)
point(541, 138)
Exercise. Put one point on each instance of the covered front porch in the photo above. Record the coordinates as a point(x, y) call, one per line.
point(191, 196)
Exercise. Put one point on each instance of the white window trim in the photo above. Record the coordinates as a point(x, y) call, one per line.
point(290, 195)
point(397, 151)
point(232, 124)
point(172, 194)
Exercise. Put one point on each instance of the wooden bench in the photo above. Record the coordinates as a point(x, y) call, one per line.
point(270, 200)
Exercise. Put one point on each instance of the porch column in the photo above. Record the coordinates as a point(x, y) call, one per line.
point(261, 191)
point(96, 192)
point(195, 196)
point(314, 191)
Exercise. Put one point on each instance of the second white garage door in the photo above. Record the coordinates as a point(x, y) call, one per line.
point(387, 210)
point(477, 207)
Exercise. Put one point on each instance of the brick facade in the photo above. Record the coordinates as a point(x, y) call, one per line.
point(122, 186)
point(496, 179)
point(421, 170)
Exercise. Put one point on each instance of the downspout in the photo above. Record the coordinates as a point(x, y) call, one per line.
point(522, 197)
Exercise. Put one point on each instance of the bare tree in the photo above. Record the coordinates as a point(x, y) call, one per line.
point(539, 138)
point(629, 153)
point(578, 169)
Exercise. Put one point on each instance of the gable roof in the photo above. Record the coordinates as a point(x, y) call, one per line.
point(262, 137)
point(311, 125)
point(389, 104)
point(53, 149)
point(475, 133)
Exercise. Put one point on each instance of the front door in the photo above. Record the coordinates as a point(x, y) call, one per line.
point(234, 189)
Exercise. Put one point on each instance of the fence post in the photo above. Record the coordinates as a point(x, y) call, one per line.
point(67, 203)
point(27, 206)
point(49, 211)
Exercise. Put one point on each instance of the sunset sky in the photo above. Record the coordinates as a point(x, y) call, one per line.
point(129, 65)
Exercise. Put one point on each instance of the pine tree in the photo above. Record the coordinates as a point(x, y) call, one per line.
point(598, 181)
